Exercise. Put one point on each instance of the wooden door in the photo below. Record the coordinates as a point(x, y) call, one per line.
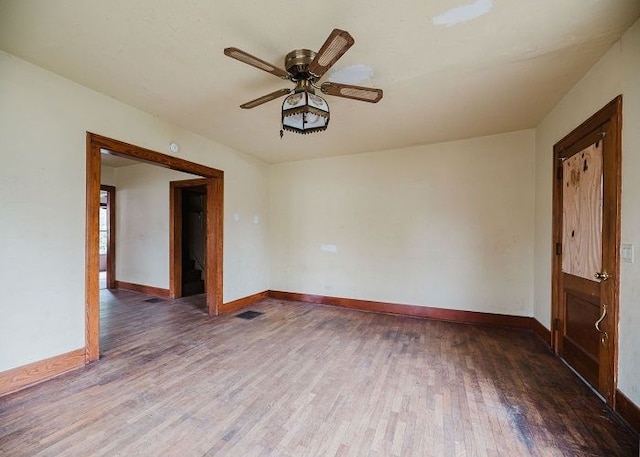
point(587, 240)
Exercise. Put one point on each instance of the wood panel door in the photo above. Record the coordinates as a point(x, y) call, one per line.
point(587, 239)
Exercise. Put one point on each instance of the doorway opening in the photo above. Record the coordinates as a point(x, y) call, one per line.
point(213, 182)
point(586, 261)
point(188, 232)
point(107, 227)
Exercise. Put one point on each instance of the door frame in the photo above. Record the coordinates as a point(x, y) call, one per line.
point(111, 235)
point(215, 189)
point(608, 123)
point(175, 232)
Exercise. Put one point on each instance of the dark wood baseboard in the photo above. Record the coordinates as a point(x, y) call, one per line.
point(629, 411)
point(240, 303)
point(149, 290)
point(451, 315)
point(541, 331)
point(33, 373)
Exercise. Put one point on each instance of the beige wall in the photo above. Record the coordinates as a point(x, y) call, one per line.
point(447, 225)
point(107, 175)
point(43, 121)
point(618, 72)
point(142, 223)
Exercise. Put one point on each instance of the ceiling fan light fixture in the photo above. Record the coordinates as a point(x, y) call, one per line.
point(305, 112)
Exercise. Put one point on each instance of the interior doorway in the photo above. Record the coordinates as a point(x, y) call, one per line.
point(214, 183)
point(107, 235)
point(188, 232)
point(586, 233)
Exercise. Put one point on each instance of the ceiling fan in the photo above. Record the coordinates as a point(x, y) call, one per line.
point(303, 111)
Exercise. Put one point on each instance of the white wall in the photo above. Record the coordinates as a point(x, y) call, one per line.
point(43, 120)
point(447, 225)
point(618, 72)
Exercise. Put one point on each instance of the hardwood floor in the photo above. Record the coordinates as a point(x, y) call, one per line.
point(308, 380)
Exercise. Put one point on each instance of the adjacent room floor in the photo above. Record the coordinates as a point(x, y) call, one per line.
point(308, 380)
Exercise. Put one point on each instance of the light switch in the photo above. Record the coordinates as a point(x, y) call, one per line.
point(627, 253)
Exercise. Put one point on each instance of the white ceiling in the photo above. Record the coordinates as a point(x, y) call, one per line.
point(445, 75)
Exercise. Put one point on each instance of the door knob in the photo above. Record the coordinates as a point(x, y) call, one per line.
point(603, 276)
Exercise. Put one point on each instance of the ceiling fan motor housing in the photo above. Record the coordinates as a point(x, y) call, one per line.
point(297, 64)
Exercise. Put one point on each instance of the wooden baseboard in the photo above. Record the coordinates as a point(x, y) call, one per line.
point(451, 315)
point(629, 411)
point(149, 290)
point(240, 303)
point(541, 331)
point(33, 373)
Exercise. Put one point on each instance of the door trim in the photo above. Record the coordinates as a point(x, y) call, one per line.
point(215, 188)
point(609, 121)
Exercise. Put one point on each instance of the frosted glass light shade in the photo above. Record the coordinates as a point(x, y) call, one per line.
point(305, 112)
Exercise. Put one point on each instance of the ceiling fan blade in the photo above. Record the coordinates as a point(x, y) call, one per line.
point(365, 94)
point(265, 98)
point(247, 58)
point(337, 44)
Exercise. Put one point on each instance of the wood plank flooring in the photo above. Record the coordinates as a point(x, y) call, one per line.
point(308, 380)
